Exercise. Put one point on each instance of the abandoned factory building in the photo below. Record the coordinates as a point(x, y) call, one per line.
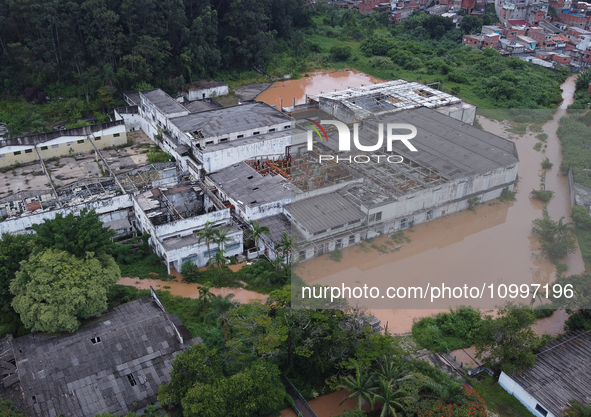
point(251, 162)
point(108, 366)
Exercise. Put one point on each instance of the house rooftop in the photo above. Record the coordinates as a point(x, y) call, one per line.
point(202, 105)
point(277, 224)
point(562, 372)
point(165, 103)
point(232, 119)
point(243, 183)
point(105, 367)
point(327, 211)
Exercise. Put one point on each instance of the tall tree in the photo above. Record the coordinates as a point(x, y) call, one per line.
point(54, 290)
point(13, 250)
point(207, 234)
point(362, 386)
point(507, 342)
point(258, 232)
point(75, 234)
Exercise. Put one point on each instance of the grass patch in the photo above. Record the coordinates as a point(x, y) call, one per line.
point(538, 146)
point(536, 128)
point(584, 238)
point(542, 136)
point(498, 400)
point(518, 129)
point(336, 255)
point(400, 237)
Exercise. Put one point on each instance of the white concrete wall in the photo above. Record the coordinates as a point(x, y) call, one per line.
point(217, 160)
point(523, 396)
point(132, 121)
point(202, 93)
point(24, 224)
point(197, 252)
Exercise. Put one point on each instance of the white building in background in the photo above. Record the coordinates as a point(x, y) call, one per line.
point(206, 89)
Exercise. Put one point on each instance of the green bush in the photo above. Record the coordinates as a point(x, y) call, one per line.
point(341, 53)
point(156, 155)
point(546, 164)
point(448, 331)
point(542, 137)
point(544, 195)
point(581, 217)
point(538, 146)
point(336, 255)
point(507, 195)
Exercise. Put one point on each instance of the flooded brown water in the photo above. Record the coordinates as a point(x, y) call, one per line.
point(191, 290)
point(493, 245)
point(328, 405)
point(318, 82)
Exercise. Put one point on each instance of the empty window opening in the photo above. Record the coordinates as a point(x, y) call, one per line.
point(80, 141)
point(253, 202)
point(541, 410)
point(97, 138)
point(131, 380)
point(28, 151)
point(352, 240)
point(287, 126)
point(255, 188)
point(209, 142)
point(17, 153)
point(35, 399)
point(272, 129)
point(116, 135)
point(249, 177)
point(255, 133)
point(95, 340)
point(55, 146)
point(223, 139)
point(240, 136)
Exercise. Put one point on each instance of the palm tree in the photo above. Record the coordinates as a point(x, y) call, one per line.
point(207, 234)
point(205, 296)
point(221, 236)
point(391, 371)
point(219, 259)
point(257, 233)
point(390, 398)
point(286, 245)
point(362, 387)
point(577, 409)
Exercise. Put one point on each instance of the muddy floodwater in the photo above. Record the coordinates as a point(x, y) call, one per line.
point(191, 290)
point(316, 83)
point(493, 245)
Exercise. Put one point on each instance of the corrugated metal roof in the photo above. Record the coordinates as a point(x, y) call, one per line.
point(562, 372)
point(325, 211)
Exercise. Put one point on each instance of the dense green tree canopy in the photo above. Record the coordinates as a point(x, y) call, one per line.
point(54, 290)
point(13, 250)
point(75, 234)
point(45, 45)
point(507, 342)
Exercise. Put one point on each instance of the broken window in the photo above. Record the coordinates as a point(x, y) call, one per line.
point(209, 142)
point(404, 223)
point(240, 136)
point(255, 133)
point(69, 143)
point(44, 148)
point(430, 215)
point(17, 153)
point(272, 129)
point(223, 139)
point(131, 380)
point(95, 340)
point(97, 138)
point(28, 151)
point(116, 135)
point(352, 240)
point(80, 141)
point(287, 126)
point(302, 255)
point(541, 410)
